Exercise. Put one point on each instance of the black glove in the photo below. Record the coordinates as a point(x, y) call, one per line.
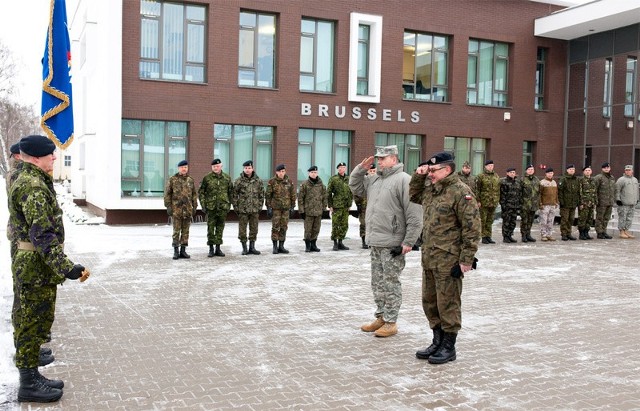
point(396, 251)
point(356, 213)
point(618, 202)
point(291, 212)
point(456, 271)
point(169, 211)
point(75, 272)
point(269, 212)
point(302, 215)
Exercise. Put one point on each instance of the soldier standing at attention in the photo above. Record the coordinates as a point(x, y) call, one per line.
point(626, 199)
point(393, 226)
point(215, 193)
point(311, 204)
point(569, 197)
point(510, 203)
point(466, 177)
point(339, 200)
point(38, 265)
point(488, 195)
point(181, 200)
point(451, 235)
point(280, 199)
point(548, 205)
point(606, 193)
point(361, 209)
point(587, 203)
point(530, 203)
point(248, 199)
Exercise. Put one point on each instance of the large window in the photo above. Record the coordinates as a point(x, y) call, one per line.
point(606, 96)
point(316, 55)
point(365, 58)
point(409, 151)
point(424, 66)
point(67, 161)
point(235, 144)
point(172, 41)
point(487, 71)
point(540, 74)
point(322, 148)
point(629, 89)
point(527, 154)
point(464, 149)
point(256, 55)
point(151, 151)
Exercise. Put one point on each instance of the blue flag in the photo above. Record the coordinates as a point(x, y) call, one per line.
point(57, 109)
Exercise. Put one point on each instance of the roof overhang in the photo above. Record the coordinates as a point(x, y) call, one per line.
point(590, 18)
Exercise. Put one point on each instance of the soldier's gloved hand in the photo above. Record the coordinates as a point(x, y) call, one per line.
point(618, 202)
point(291, 212)
point(169, 211)
point(356, 214)
point(302, 215)
point(456, 271)
point(75, 272)
point(474, 264)
point(269, 212)
point(396, 251)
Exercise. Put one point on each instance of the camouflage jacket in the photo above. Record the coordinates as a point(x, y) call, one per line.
point(180, 194)
point(13, 175)
point(248, 194)
point(606, 189)
point(36, 217)
point(530, 193)
point(281, 193)
point(510, 193)
point(488, 189)
point(216, 192)
point(313, 197)
point(469, 180)
point(339, 194)
point(588, 195)
point(452, 226)
point(568, 191)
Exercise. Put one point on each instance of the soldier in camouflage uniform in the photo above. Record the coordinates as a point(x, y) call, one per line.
point(215, 193)
point(248, 199)
point(339, 200)
point(606, 193)
point(466, 177)
point(312, 202)
point(181, 200)
point(39, 264)
point(530, 203)
point(280, 199)
point(587, 205)
point(361, 210)
point(488, 195)
point(510, 204)
point(451, 235)
point(393, 226)
point(569, 197)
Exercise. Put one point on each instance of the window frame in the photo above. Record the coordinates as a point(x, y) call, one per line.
point(630, 91)
point(316, 51)
point(540, 80)
point(476, 155)
point(607, 93)
point(256, 65)
point(335, 158)
point(406, 148)
point(234, 166)
point(412, 84)
point(374, 59)
point(499, 96)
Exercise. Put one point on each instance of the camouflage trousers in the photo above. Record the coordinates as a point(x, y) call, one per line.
point(487, 214)
point(181, 227)
point(339, 223)
point(567, 215)
point(385, 283)
point(312, 227)
point(547, 215)
point(603, 215)
point(585, 217)
point(441, 299)
point(509, 217)
point(361, 218)
point(33, 322)
point(279, 225)
point(215, 226)
point(252, 220)
point(625, 217)
point(526, 221)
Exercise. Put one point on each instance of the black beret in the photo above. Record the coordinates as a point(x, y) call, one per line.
point(424, 163)
point(585, 167)
point(530, 166)
point(15, 149)
point(280, 167)
point(313, 168)
point(341, 165)
point(606, 165)
point(486, 163)
point(216, 161)
point(441, 158)
point(548, 170)
point(247, 163)
point(570, 166)
point(183, 163)
point(372, 166)
point(37, 146)
point(511, 169)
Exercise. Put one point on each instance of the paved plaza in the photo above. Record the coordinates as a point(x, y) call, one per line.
point(546, 326)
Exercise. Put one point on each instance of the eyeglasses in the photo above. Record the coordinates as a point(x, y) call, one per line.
point(433, 170)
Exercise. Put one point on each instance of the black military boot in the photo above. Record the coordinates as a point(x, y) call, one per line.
point(219, 252)
point(586, 234)
point(581, 236)
point(281, 248)
point(341, 246)
point(183, 252)
point(484, 240)
point(435, 344)
point(447, 350)
point(314, 247)
point(530, 239)
point(513, 240)
point(565, 238)
point(364, 244)
point(45, 351)
point(244, 248)
point(307, 246)
point(490, 240)
point(275, 246)
point(211, 252)
point(506, 239)
point(524, 238)
point(33, 390)
point(252, 248)
point(59, 384)
point(607, 236)
point(570, 237)
point(45, 359)
point(176, 253)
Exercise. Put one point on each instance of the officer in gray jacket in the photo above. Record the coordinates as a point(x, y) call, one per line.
point(393, 224)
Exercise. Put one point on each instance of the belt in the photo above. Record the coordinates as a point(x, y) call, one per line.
point(27, 246)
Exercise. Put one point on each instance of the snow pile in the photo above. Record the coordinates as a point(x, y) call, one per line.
point(70, 209)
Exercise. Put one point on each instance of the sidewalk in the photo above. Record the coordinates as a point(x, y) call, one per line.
point(546, 326)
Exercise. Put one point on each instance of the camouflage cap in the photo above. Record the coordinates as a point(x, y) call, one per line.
point(466, 164)
point(386, 151)
point(628, 167)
